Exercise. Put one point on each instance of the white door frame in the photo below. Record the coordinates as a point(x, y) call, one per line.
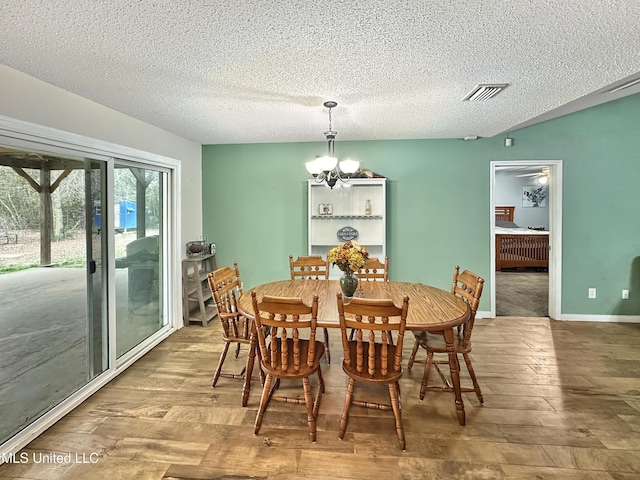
point(555, 230)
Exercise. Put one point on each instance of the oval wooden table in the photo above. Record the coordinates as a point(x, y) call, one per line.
point(430, 309)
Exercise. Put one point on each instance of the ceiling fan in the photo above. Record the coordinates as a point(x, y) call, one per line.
point(542, 175)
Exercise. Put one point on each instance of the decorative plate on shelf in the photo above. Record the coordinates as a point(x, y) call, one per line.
point(347, 233)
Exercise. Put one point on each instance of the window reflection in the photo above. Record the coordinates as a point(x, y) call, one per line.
point(137, 219)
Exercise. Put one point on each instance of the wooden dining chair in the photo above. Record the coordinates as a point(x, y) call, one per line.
point(468, 286)
point(291, 352)
point(312, 267)
point(374, 270)
point(309, 266)
point(226, 287)
point(371, 357)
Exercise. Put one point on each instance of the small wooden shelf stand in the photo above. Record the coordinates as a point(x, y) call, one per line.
point(196, 294)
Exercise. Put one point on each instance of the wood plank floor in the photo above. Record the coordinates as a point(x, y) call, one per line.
point(562, 401)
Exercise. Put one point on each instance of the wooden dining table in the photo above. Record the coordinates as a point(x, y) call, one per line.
point(431, 309)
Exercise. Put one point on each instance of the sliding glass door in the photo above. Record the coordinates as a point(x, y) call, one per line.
point(52, 296)
point(138, 210)
point(83, 277)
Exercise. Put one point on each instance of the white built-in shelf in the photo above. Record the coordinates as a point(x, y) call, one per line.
point(346, 208)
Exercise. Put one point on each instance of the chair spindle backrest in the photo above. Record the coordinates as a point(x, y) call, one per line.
point(373, 320)
point(309, 267)
point(374, 270)
point(286, 320)
point(226, 287)
point(468, 286)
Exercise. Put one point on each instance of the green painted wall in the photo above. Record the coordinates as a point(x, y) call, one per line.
point(438, 203)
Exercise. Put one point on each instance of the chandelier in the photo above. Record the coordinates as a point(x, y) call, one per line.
point(326, 168)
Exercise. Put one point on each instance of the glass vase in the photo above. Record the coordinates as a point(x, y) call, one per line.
point(348, 284)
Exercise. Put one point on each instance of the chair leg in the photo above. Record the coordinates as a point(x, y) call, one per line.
point(264, 401)
point(412, 358)
point(472, 374)
point(397, 413)
point(320, 380)
point(326, 346)
point(251, 357)
point(261, 373)
point(218, 371)
point(311, 419)
point(316, 402)
point(425, 377)
point(345, 411)
point(276, 386)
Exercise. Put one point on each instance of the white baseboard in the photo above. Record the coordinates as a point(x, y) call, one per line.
point(579, 317)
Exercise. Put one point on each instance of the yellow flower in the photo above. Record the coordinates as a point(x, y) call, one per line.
point(350, 256)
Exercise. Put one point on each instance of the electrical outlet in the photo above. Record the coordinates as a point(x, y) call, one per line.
point(625, 294)
point(592, 293)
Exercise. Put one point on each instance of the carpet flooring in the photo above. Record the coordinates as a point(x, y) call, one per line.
point(522, 294)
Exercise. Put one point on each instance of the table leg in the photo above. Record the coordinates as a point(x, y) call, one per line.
point(454, 367)
point(246, 388)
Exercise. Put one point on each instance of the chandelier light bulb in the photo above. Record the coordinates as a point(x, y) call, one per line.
point(349, 166)
point(313, 168)
point(327, 163)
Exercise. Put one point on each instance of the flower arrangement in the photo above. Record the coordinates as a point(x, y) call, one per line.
point(348, 257)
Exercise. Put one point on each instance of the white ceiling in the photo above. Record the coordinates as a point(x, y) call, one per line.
point(234, 71)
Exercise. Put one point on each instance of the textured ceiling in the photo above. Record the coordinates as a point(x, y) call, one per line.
point(237, 71)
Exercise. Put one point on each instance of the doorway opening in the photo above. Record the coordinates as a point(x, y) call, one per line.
point(526, 237)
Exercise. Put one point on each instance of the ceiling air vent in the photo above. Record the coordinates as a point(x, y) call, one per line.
point(484, 92)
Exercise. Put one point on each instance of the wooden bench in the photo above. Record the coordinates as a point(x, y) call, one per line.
point(7, 237)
